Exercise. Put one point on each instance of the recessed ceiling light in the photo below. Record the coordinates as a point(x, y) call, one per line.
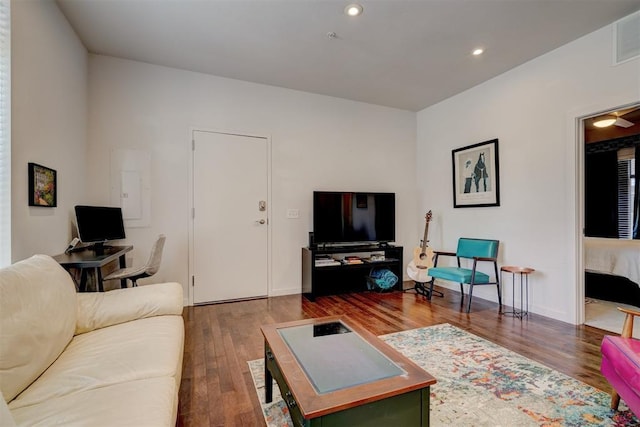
point(353, 9)
point(478, 51)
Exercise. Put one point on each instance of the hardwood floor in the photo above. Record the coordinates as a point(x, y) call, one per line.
point(217, 388)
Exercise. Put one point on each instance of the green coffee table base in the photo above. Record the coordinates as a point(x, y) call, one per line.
point(408, 409)
point(333, 372)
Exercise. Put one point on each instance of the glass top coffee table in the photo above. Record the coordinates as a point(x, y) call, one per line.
point(332, 372)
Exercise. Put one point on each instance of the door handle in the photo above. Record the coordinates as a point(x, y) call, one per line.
point(261, 221)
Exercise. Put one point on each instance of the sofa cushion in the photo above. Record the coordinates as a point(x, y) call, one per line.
point(6, 419)
point(141, 349)
point(151, 402)
point(37, 320)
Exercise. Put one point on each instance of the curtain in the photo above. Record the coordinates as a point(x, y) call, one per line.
point(636, 203)
point(601, 194)
point(5, 133)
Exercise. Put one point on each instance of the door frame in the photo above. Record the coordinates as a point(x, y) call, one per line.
point(190, 171)
point(576, 189)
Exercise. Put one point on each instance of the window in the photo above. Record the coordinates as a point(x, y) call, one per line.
point(626, 191)
point(5, 133)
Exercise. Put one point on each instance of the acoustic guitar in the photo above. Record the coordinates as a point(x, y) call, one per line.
point(422, 256)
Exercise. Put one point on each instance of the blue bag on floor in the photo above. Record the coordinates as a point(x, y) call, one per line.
point(383, 278)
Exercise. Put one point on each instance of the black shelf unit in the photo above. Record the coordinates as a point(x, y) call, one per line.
point(336, 279)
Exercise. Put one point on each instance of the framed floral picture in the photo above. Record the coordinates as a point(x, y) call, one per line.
point(42, 186)
point(476, 177)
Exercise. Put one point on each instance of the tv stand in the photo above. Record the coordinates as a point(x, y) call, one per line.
point(321, 280)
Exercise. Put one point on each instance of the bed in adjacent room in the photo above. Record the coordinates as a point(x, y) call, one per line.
point(612, 269)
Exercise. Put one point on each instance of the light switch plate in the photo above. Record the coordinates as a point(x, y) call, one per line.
point(293, 213)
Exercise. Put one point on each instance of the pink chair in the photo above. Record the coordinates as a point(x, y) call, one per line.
point(621, 364)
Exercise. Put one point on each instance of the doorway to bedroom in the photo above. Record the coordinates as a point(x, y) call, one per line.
point(611, 242)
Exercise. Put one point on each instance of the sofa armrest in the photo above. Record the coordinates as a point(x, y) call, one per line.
point(101, 309)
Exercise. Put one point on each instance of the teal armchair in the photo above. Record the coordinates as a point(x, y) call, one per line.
point(477, 250)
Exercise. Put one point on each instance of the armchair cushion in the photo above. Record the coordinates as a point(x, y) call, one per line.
point(621, 367)
point(460, 275)
point(626, 352)
point(101, 309)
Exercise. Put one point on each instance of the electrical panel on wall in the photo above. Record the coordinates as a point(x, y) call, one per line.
point(131, 185)
point(131, 194)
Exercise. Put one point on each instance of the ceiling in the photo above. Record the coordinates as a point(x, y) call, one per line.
point(407, 54)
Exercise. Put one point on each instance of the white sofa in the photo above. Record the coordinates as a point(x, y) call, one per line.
point(88, 359)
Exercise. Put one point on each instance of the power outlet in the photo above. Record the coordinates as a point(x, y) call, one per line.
point(293, 213)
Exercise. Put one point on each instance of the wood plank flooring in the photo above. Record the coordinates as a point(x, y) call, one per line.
point(217, 389)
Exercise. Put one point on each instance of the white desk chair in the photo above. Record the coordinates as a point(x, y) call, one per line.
point(149, 269)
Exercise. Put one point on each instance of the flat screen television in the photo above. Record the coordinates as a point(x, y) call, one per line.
point(352, 217)
point(98, 224)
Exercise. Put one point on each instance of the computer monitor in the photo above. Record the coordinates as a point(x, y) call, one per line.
point(99, 224)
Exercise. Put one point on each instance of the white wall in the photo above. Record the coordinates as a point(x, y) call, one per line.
point(49, 122)
point(531, 110)
point(318, 143)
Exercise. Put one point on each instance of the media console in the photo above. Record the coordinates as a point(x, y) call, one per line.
point(321, 278)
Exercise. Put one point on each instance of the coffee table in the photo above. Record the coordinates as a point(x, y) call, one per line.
point(333, 372)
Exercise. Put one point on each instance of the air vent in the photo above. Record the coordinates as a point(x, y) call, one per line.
point(627, 38)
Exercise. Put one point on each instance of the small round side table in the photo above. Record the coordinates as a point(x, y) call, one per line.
point(524, 289)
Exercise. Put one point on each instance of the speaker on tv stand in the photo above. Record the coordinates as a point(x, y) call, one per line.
point(312, 242)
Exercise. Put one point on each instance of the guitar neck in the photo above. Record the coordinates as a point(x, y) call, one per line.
point(424, 239)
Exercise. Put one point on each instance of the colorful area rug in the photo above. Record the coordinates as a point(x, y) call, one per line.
point(483, 384)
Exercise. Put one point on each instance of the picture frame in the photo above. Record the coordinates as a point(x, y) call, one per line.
point(43, 186)
point(476, 175)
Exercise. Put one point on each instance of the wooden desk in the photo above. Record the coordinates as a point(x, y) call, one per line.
point(87, 260)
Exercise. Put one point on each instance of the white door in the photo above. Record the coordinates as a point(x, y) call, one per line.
point(230, 238)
